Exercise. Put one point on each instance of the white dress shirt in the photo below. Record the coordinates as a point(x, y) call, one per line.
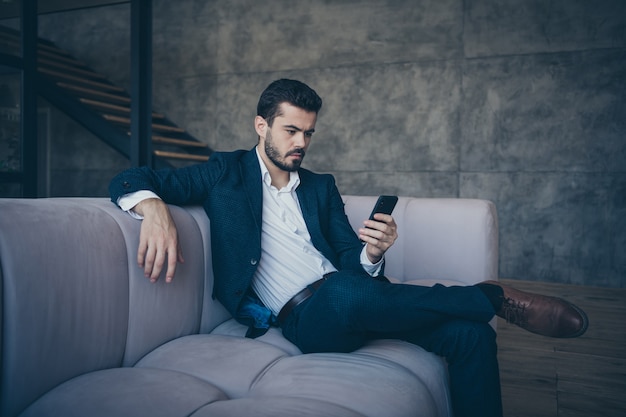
point(289, 261)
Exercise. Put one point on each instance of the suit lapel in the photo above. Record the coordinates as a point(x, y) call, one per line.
point(308, 199)
point(251, 177)
point(308, 203)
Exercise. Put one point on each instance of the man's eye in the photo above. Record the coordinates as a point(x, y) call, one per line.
point(291, 132)
point(308, 134)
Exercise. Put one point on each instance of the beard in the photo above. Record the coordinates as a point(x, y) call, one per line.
point(281, 161)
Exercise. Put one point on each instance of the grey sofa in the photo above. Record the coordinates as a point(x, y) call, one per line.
point(85, 334)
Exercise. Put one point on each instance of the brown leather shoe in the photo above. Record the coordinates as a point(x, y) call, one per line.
point(542, 314)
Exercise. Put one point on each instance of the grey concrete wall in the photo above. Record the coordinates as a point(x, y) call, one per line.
point(522, 102)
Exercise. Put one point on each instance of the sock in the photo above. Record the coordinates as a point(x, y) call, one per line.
point(494, 294)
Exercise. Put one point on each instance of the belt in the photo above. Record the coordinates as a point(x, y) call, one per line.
point(299, 298)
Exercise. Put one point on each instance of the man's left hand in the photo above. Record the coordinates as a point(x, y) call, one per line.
point(379, 234)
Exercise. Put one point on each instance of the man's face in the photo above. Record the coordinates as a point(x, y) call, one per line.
point(286, 141)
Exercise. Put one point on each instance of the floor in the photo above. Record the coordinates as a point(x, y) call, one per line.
point(582, 377)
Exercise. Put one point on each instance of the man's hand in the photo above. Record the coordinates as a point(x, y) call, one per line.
point(158, 240)
point(379, 234)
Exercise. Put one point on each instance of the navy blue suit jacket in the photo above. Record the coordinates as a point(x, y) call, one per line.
point(229, 187)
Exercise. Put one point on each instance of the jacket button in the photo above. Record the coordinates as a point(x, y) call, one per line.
point(238, 293)
point(126, 184)
point(253, 261)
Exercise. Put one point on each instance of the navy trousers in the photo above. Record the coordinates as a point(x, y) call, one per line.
point(351, 308)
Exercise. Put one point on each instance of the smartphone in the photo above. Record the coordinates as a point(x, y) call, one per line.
point(385, 204)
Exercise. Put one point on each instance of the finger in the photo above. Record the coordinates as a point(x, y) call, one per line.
point(369, 236)
point(148, 263)
point(180, 256)
point(157, 267)
point(380, 222)
point(172, 257)
point(383, 218)
point(141, 253)
point(376, 231)
point(373, 224)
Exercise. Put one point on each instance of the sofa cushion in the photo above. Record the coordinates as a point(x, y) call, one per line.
point(367, 384)
point(408, 378)
point(274, 336)
point(128, 392)
point(281, 406)
point(230, 363)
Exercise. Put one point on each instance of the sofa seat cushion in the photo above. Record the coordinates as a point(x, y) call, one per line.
point(122, 392)
point(368, 385)
point(253, 374)
point(274, 336)
point(274, 407)
point(231, 363)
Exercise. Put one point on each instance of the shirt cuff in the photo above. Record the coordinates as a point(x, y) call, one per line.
point(130, 200)
point(370, 268)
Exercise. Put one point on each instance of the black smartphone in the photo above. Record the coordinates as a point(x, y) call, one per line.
point(385, 204)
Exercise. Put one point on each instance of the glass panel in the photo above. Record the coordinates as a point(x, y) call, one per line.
point(73, 161)
point(10, 141)
point(10, 27)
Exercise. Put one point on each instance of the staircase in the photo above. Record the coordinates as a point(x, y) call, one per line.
point(102, 107)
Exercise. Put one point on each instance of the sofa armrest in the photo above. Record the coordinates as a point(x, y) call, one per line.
point(440, 239)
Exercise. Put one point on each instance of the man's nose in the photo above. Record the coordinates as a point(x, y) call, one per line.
point(299, 140)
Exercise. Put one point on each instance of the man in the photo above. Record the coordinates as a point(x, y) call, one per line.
point(288, 256)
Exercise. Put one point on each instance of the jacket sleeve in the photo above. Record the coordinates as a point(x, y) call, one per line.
point(182, 186)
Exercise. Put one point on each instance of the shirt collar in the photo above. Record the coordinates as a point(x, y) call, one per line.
point(294, 177)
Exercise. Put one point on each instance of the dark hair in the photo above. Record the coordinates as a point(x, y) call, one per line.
point(293, 92)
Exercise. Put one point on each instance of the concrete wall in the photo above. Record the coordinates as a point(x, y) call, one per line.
point(522, 102)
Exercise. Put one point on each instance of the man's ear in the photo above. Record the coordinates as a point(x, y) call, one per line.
point(260, 125)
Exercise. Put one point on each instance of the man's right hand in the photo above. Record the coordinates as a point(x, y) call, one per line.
point(158, 240)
